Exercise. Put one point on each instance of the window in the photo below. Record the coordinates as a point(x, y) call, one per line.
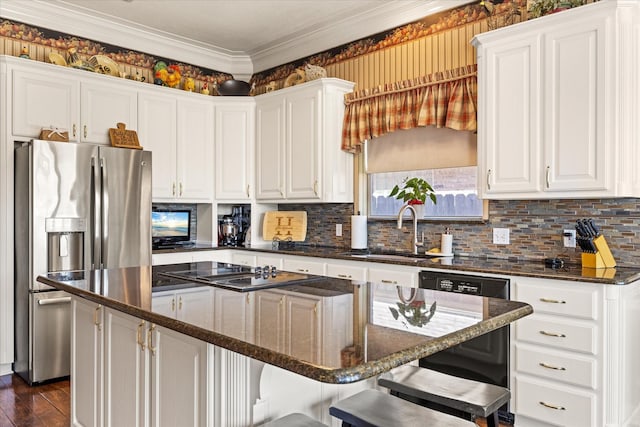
point(443, 157)
point(456, 193)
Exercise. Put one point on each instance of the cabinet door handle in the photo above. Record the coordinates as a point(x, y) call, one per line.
point(150, 339)
point(550, 406)
point(173, 304)
point(173, 191)
point(393, 282)
point(281, 193)
point(556, 368)
point(181, 189)
point(315, 187)
point(248, 191)
point(281, 300)
point(74, 130)
point(553, 334)
point(248, 301)
point(180, 303)
point(85, 130)
point(140, 336)
point(548, 176)
point(489, 179)
point(344, 276)
point(315, 309)
point(96, 319)
point(552, 301)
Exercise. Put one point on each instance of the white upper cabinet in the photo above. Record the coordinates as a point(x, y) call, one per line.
point(86, 107)
point(178, 130)
point(550, 120)
point(102, 107)
point(234, 142)
point(298, 153)
point(270, 149)
point(41, 99)
point(195, 149)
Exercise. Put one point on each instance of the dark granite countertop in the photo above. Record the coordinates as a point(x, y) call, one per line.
point(184, 248)
point(504, 267)
point(378, 341)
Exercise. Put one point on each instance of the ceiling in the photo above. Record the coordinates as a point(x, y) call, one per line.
point(250, 35)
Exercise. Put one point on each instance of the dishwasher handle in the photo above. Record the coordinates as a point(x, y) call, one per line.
point(51, 301)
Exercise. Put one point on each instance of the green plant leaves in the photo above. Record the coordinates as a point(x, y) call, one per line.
point(414, 189)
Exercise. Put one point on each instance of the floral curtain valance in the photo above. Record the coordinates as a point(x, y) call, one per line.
point(444, 99)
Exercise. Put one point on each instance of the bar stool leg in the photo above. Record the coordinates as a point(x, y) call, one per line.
point(493, 420)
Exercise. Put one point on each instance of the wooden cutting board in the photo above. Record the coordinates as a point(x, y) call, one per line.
point(285, 225)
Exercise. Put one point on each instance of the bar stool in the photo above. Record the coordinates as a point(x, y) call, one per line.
point(458, 396)
point(295, 420)
point(373, 408)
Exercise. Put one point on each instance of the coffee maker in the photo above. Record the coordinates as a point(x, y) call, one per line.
point(233, 228)
point(228, 231)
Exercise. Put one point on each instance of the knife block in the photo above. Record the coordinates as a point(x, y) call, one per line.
point(602, 258)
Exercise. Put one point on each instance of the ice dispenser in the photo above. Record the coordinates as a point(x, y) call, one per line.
point(65, 244)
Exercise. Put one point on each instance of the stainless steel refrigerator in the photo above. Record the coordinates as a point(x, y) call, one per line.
point(77, 207)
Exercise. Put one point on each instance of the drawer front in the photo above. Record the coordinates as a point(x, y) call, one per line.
point(303, 266)
point(554, 404)
point(347, 272)
point(570, 368)
point(560, 298)
point(275, 261)
point(561, 333)
point(391, 277)
point(243, 259)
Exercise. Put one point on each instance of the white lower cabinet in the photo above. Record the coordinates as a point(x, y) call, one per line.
point(191, 256)
point(297, 323)
point(574, 360)
point(346, 270)
point(193, 305)
point(303, 265)
point(394, 275)
point(87, 342)
point(150, 375)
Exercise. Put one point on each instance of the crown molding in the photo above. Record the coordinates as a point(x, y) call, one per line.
point(83, 23)
point(70, 19)
point(390, 14)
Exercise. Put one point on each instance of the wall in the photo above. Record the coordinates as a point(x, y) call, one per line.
point(536, 229)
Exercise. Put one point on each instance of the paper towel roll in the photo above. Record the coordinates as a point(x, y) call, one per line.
point(358, 232)
point(446, 243)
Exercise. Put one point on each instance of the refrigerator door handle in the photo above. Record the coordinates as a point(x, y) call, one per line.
point(103, 226)
point(50, 301)
point(93, 215)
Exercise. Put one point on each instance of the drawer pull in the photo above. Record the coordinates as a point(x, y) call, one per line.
point(550, 406)
point(344, 276)
point(557, 368)
point(393, 282)
point(553, 334)
point(552, 301)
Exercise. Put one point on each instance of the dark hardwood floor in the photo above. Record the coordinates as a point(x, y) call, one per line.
point(46, 405)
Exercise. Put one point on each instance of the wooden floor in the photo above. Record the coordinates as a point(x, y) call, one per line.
point(45, 405)
point(23, 406)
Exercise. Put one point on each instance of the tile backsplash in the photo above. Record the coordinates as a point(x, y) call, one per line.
point(535, 226)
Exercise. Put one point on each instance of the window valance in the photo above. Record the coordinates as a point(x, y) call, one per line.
point(443, 99)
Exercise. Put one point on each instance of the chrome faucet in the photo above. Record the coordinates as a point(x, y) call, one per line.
point(416, 244)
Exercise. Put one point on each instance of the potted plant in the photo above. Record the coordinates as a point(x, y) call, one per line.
point(414, 192)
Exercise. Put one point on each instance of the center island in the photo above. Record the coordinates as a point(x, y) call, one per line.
point(151, 347)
